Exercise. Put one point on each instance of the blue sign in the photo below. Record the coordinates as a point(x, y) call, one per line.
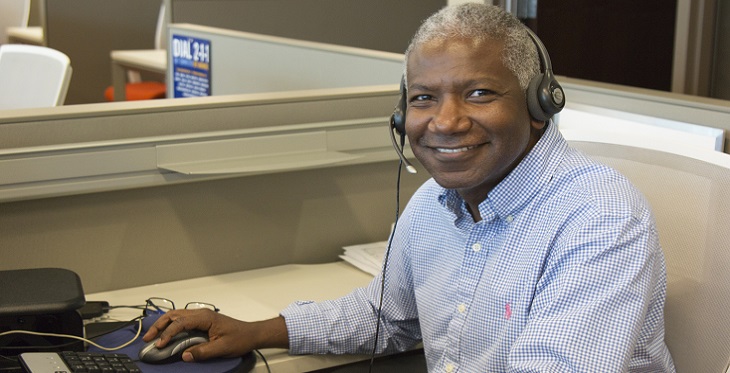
point(190, 66)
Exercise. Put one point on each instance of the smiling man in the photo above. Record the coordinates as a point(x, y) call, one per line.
point(519, 255)
point(468, 121)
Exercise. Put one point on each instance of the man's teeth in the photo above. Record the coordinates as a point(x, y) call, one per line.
point(447, 150)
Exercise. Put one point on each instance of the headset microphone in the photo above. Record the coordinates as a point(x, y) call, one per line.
point(398, 124)
point(399, 149)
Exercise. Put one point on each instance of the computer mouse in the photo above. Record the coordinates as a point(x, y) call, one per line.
point(173, 350)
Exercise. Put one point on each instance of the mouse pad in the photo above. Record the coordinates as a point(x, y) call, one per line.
point(121, 336)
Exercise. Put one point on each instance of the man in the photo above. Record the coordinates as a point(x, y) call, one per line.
point(520, 255)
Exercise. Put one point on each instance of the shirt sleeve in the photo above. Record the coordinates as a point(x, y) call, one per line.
point(348, 324)
point(591, 304)
point(339, 326)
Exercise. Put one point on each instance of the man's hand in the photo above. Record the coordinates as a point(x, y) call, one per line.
point(228, 337)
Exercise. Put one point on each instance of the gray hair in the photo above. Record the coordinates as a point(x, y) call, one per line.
point(479, 22)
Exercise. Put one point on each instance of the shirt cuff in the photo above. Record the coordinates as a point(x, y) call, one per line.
point(304, 329)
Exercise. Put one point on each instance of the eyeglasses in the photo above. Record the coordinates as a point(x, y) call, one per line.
point(158, 306)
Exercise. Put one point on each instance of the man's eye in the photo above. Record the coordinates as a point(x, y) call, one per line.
point(481, 93)
point(421, 98)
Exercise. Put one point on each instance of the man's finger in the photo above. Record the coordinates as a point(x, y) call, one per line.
point(205, 351)
point(175, 326)
point(159, 325)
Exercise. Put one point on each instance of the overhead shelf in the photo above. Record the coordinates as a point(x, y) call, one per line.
point(250, 155)
point(248, 165)
point(143, 162)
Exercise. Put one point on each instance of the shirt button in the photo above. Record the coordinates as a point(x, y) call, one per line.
point(509, 218)
point(476, 247)
point(449, 368)
point(461, 308)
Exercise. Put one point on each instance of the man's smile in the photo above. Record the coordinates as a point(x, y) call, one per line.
point(456, 150)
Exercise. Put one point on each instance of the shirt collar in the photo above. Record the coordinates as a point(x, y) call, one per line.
point(520, 185)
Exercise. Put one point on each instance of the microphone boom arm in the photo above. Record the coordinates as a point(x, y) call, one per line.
point(399, 150)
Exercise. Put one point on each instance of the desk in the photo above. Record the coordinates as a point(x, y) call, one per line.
point(255, 295)
point(26, 35)
point(152, 60)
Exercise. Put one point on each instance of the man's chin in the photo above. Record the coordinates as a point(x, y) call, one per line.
point(452, 180)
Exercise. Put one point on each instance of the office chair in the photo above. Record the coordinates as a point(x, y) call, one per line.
point(32, 76)
point(13, 13)
point(136, 88)
point(689, 191)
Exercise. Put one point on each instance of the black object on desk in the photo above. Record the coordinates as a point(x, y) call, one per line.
point(42, 300)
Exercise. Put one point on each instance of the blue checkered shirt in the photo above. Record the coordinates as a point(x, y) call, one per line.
point(563, 274)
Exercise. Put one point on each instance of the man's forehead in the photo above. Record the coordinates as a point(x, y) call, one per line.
point(447, 45)
point(426, 53)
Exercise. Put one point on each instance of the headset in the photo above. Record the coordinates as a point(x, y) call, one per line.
point(545, 98)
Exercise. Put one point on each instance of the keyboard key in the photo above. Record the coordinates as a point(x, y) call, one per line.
point(92, 362)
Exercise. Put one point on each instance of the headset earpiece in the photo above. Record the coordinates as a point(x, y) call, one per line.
point(545, 96)
point(398, 118)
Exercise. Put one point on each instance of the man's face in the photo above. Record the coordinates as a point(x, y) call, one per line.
point(467, 119)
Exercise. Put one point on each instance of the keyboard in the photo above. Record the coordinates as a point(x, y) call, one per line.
point(78, 362)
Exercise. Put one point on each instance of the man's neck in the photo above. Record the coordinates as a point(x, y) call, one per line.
point(474, 211)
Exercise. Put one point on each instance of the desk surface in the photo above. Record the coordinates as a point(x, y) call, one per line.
point(27, 35)
point(153, 60)
point(255, 295)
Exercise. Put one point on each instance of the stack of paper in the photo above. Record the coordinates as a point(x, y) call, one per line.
point(368, 257)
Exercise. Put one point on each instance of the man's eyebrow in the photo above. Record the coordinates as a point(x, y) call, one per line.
point(421, 87)
point(469, 83)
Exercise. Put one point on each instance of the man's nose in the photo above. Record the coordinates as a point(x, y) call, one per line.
point(450, 117)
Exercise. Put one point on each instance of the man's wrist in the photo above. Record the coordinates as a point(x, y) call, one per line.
point(271, 333)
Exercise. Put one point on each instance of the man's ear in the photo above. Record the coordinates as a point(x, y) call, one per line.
point(537, 124)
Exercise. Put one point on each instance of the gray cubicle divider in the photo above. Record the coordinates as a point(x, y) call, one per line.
point(111, 191)
point(243, 62)
point(385, 25)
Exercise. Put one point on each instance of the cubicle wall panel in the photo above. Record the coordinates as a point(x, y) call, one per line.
point(122, 121)
point(250, 139)
point(243, 62)
point(675, 107)
point(143, 236)
point(377, 24)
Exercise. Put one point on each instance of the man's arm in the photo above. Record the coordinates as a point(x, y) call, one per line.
point(599, 302)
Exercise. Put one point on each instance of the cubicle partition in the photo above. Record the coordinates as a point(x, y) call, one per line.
point(384, 25)
point(206, 60)
point(273, 164)
point(174, 189)
point(696, 121)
